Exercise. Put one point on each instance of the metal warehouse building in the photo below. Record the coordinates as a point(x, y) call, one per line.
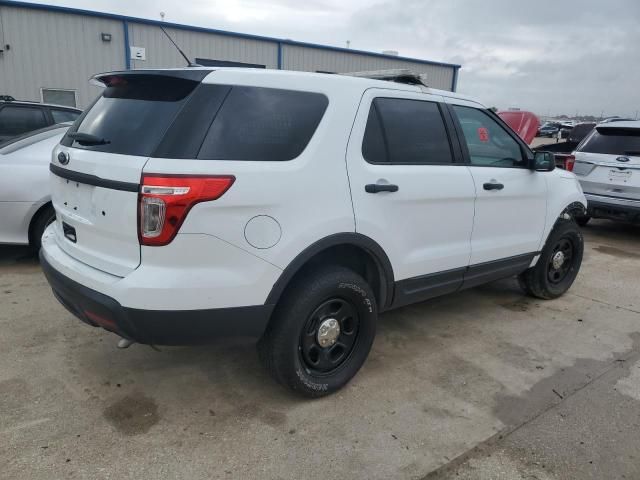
point(47, 53)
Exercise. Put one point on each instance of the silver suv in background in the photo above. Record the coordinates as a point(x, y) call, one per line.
point(607, 164)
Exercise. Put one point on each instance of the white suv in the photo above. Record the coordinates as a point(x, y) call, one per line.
point(294, 207)
point(607, 163)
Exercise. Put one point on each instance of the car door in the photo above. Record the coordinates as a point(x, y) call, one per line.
point(411, 192)
point(510, 207)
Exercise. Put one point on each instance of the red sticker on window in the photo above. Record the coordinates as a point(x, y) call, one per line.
point(483, 134)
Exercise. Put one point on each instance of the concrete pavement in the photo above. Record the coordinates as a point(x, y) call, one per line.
point(486, 383)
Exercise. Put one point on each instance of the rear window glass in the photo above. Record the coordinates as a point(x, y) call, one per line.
point(133, 114)
point(263, 124)
point(613, 141)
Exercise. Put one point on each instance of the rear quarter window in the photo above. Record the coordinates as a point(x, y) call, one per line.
point(263, 124)
point(62, 116)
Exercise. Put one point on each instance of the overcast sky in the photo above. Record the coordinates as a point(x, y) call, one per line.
point(552, 57)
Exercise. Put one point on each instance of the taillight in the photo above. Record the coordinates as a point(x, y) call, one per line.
point(165, 201)
point(569, 162)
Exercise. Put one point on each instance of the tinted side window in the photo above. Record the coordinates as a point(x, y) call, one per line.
point(405, 131)
point(374, 145)
point(61, 116)
point(263, 124)
point(488, 143)
point(17, 120)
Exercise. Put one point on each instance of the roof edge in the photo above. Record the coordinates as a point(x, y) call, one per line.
point(193, 28)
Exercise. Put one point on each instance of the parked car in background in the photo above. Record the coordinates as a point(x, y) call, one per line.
point(25, 199)
point(579, 132)
point(607, 164)
point(563, 151)
point(549, 129)
point(18, 118)
point(524, 123)
point(194, 221)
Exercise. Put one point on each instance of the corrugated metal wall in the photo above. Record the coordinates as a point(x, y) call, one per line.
point(311, 60)
point(160, 52)
point(62, 49)
point(56, 50)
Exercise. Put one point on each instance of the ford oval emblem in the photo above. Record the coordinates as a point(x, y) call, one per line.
point(63, 158)
point(622, 159)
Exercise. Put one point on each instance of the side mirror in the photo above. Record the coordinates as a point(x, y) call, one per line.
point(543, 162)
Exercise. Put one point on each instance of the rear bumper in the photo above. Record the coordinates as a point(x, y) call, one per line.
point(155, 327)
point(600, 206)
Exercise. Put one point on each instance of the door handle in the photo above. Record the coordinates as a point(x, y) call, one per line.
point(380, 187)
point(493, 186)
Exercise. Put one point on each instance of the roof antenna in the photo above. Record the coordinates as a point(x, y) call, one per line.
point(189, 62)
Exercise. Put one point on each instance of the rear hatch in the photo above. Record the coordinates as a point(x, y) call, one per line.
point(96, 170)
point(608, 161)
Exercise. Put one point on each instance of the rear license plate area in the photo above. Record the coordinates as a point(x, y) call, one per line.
point(74, 198)
point(619, 176)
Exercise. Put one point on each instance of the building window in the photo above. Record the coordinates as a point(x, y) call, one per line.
point(58, 96)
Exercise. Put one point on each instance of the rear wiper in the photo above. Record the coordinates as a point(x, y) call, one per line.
point(87, 139)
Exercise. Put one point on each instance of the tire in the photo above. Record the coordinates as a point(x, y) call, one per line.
point(546, 281)
point(582, 220)
point(44, 218)
point(291, 348)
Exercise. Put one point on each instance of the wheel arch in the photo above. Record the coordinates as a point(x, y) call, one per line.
point(564, 200)
point(353, 250)
point(36, 215)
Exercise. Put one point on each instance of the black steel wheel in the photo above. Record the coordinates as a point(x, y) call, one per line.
point(329, 336)
point(321, 331)
point(559, 262)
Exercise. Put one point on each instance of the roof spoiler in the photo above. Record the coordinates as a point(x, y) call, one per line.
point(110, 78)
point(398, 75)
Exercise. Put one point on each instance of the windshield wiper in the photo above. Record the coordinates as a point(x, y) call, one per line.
point(87, 139)
point(633, 153)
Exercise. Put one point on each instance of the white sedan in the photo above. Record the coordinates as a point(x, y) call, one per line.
point(25, 198)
